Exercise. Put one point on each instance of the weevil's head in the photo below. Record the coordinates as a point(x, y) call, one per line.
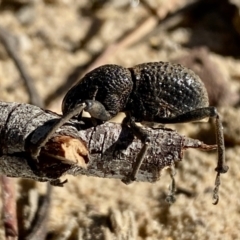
point(71, 100)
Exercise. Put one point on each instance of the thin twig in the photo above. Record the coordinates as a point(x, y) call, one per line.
point(7, 41)
point(39, 226)
point(128, 39)
point(9, 208)
point(171, 20)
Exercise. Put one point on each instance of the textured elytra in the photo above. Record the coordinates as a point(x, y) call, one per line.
point(165, 90)
point(149, 91)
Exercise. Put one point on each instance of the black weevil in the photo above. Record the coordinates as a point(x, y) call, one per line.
point(158, 92)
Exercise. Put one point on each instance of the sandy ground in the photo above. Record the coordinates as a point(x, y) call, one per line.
point(57, 39)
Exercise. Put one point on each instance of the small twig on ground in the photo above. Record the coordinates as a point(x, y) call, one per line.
point(128, 39)
point(38, 230)
point(9, 208)
point(170, 20)
point(8, 42)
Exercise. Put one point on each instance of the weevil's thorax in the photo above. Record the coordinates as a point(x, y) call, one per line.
point(109, 84)
point(165, 90)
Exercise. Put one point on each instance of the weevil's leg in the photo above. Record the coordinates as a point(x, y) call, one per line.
point(199, 114)
point(215, 190)
point(153, 125)
point(170, 199)
point(143, 136)
point(66, 117)
point(191, 116)
point(58, 183)
point(221, 166)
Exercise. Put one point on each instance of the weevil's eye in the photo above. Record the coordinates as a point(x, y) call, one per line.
point(89, 104)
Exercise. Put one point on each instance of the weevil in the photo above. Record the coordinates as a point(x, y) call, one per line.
point(159, 92)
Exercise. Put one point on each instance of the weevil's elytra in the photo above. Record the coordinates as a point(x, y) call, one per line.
point(165, 90)
point(156, 92)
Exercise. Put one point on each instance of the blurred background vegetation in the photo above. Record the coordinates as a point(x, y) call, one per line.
point(58, 41)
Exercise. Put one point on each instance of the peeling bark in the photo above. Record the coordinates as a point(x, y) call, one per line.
point(107, 151)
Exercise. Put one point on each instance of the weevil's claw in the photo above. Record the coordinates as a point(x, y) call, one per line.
point(58, 183)
point(215, 190)
point(128, 179)
point(215, 199)
point(170, 199)
point(222, 169)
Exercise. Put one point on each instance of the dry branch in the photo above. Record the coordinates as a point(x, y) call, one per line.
point(107, 151)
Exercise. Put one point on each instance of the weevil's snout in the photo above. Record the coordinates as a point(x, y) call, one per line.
point(94, 108)
point(97, 110)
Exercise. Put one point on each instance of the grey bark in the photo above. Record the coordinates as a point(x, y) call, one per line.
point(112, 148)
